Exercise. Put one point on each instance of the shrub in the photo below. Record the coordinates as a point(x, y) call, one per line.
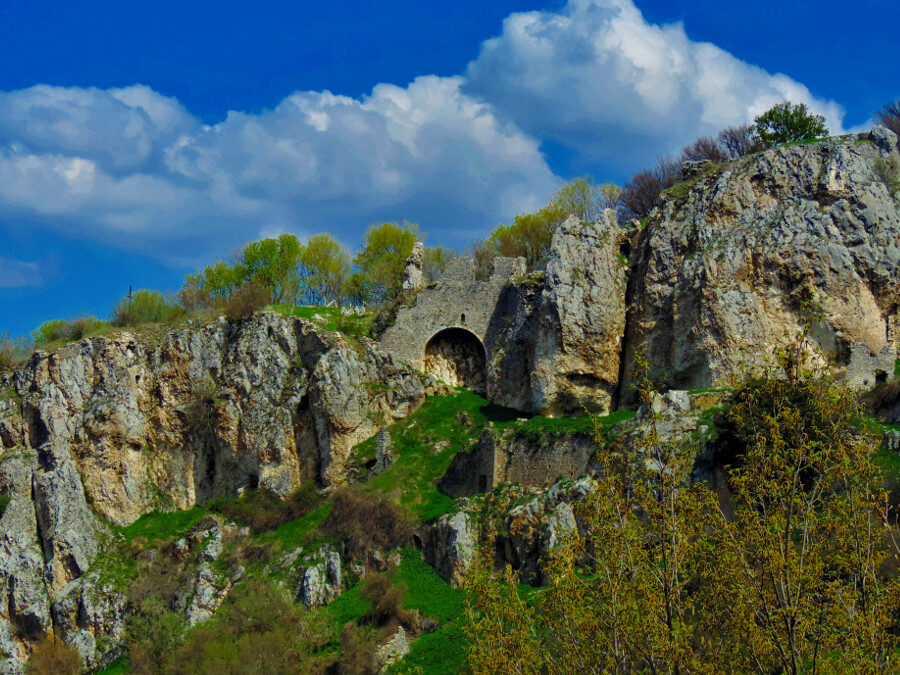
point(387, 602)
point(4, 502)
point(367, 522)
point(889, 116)
point(888, 172)
point(13, 351)
point(61, 330)
point(704, 148)
point(737, 141)
point(246, 300)
point(194, 298)
point(52, 656)
point(257, 630)
point(143, 307)
point(788, 123)
point(639, 194)
point(261, 510)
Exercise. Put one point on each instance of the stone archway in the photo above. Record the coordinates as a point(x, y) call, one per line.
point(457, 357)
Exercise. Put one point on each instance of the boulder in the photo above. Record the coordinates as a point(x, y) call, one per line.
point(449, 545)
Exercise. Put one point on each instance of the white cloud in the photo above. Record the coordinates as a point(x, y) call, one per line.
point(599, 79)
point(131, 167)
point(18, 274)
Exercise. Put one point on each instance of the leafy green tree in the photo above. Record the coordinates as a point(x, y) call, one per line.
point(584, 198)
point(436, 258)
point(324, 269)
point(358, 289)
point(219, 279)
point(273, 264)
point(383, 256)
point(788, 123)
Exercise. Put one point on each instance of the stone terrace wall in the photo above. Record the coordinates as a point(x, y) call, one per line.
point(457, 300)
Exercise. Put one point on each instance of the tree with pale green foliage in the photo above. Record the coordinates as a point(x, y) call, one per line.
point(788, 123)
point(383, 256)
point(324, 269)
point(273, 264)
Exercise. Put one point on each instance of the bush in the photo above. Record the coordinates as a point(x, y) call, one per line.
point(143, 307)
point(788, 123)
point(194, 298)
point(639, 194)
point(367, 522)
point(704, 148)
point(889, 116)
point(13, 351)
point(262, 510)
point(387, 602)
point(52, 656)
point(257, 630)
point(61, 330)
point(249, 298)
point(738, 141)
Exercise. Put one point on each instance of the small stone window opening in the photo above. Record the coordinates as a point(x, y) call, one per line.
point(880, 377)
point(462, 318)
point(482, 483)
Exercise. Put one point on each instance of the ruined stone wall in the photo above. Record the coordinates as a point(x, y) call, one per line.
point(457, 300)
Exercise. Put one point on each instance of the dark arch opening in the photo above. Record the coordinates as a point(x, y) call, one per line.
point(457, 357)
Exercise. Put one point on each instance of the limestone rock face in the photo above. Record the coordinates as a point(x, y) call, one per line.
point(265, 402)
point(582, 319)
point(119, 426)
point(560, 334)
point(449, 546)
point(732, 268)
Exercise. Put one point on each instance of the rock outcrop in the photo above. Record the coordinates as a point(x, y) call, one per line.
point(110, 428)
point(733, 266)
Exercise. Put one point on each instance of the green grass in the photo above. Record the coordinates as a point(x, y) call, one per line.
point(159, 526)
point(117, 668)
point(440, 653)
point(537, 427)
point(349, 606)
point(897, 369)
point(424, 444)
point(331, 318)
point(4, 502)
point(426, 591)
point(297, 532)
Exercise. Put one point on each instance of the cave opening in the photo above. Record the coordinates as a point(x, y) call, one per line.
point(457, 356)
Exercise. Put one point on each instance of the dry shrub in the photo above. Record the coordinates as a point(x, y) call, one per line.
point(262, 510)
point(882, 396)
point(13, 351)
point(738, 141)
point(194, 299)
point(639, 194)
point(358, 644)
point(367, 522)
point(387, 604)
point(246, 300)
point(704, 148)
point(889, 116)
point(52, 656)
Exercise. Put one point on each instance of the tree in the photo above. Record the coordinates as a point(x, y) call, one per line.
point(324, 268)
point(583, 198)
point(272, 263)
point(889, 116)
point(219, 279)
point(383, 256)
point(434, 261)
point(784, 573)
point(788, 123)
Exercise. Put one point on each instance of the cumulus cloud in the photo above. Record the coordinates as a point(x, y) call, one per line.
point(18, 274)
point(132, 167)
point(616, 90)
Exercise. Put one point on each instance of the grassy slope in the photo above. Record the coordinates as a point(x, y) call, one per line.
point(424, 445)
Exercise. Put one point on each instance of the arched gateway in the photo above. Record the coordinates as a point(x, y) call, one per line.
point(445, 329)
point(457, 357)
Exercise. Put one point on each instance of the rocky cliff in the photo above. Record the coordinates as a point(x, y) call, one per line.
point(735, 261)
point(107, 429)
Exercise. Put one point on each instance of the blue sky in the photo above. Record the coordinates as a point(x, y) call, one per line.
point(138, 141)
